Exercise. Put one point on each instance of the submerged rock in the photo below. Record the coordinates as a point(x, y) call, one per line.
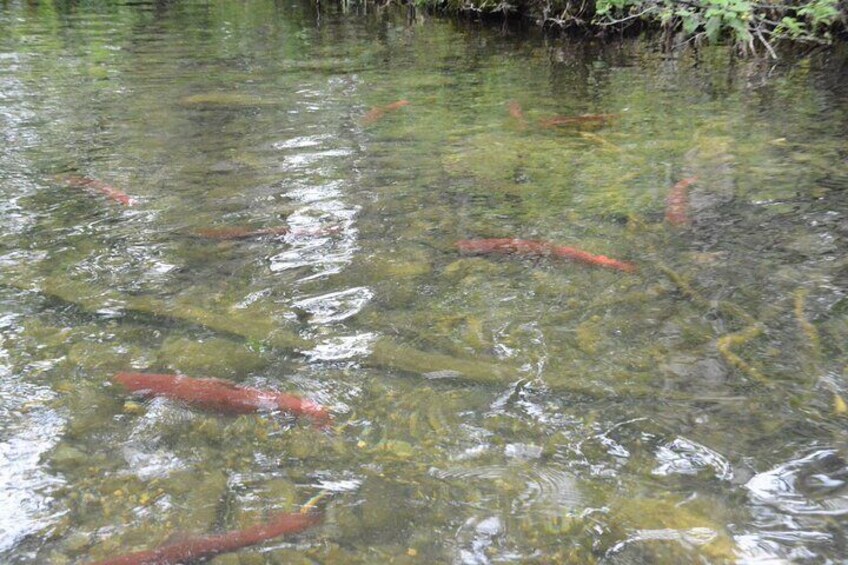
point(67, 458)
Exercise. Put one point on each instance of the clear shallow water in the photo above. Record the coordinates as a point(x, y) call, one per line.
point(487, 409)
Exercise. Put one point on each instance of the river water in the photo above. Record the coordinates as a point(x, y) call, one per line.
point(690, 407)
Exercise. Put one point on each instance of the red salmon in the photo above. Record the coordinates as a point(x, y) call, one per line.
point(220, 396)
point(516, 113)
point(205, 547)
point(541, 249)
point(110, 191)
point(378, 112)
point(677, 202)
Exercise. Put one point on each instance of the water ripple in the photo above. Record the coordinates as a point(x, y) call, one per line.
point(321, 256)
point(692, 537)
point(543, 486)
point(335, 306)
point(779, 546)
point(480, 536)
point(302, 141)
point(342, 347)
point(685, 457)
point(813, 485)
point(143, 452)
point(28, 430)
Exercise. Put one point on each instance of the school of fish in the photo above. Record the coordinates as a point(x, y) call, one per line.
point(227, 398)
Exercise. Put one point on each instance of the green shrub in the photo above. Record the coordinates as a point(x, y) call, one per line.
point(752, 26)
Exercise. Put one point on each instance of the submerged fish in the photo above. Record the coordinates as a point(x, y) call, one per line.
point(516, 113)
point(220, 396)
point(112, 193)
point(531, 248)
point(225, 100)
point(378, 112)
point(240, 233)
point(248, 233)
point(571, 121)
point(677, 202)
point(204, 547)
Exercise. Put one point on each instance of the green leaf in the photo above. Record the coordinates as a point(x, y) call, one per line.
point(690, 22)
point(792, 26)
point(713, 28)
point(820, 12)
point(740, 30)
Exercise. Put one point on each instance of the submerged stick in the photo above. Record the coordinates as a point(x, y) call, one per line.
point(737, 339)
point(686, 288)
point(603, 142)
point(725, 343)
point(385, 354)
point(840, 408)
point(808, 329)
point(681, 283)
point(94, 300)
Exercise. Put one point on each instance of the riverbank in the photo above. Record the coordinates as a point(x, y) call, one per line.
point(753, 28)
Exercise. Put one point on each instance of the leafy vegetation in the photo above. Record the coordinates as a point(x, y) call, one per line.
point(752, 26)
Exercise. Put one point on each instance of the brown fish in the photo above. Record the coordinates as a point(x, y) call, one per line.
point(220, 396)
point(677, 202)
point(112, 193)
point(531, 248)
point(516, 113)
point(378, 112)
point(240, 233)
point(204, 547)
point(249, 233)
